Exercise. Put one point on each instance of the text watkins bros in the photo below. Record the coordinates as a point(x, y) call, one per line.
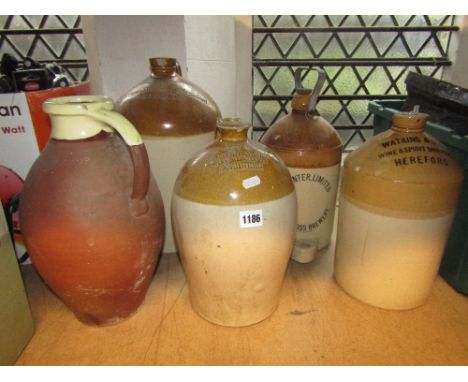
point(414, 150)
point(326, 185)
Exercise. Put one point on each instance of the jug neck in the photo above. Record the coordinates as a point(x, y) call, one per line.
point(300, 105)
point(164, 67)
point(409, 122)
point(76, 127)
point(232, 130)
point(300, 102)
point(72, 117)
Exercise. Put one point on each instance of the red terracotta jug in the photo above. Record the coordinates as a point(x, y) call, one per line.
point(91, 214)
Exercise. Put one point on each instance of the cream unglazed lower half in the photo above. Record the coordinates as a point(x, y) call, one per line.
point(316, 190)
point(234, 273)
point(167, 156)
point(388, 261)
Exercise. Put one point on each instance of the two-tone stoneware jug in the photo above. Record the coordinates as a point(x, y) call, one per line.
point(311, 148)
point(176, 119)
point(399, 193)
point(234, 214)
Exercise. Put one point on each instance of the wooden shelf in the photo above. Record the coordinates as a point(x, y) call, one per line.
point(316, 323)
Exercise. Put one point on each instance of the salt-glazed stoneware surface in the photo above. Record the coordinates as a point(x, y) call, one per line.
point(234, 215)
point(311, 148)
point(176, 119)
point(398, 197)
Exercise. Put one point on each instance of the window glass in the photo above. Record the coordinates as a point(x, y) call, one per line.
point(365, 58)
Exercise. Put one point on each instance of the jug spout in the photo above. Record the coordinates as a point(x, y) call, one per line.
point(69, 116)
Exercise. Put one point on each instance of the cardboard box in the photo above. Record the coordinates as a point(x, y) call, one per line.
point(16, 325)
point(24, 132)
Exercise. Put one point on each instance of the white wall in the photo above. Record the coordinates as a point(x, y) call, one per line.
point(244, 67)
point(214, 52)
point(458, 74)
point(211, 58)
point(118, 49)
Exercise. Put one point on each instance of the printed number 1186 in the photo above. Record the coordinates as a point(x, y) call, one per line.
point(251, 218)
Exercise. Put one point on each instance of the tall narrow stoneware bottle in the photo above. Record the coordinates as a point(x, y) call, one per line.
point(398, 197)
point(311, 148)
point(176, 119)
point(234, 214)
point(91, 214)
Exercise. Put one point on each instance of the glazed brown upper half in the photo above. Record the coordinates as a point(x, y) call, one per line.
point(304, 140)
point(166, 105)
point(217, 175)
point(403, 174)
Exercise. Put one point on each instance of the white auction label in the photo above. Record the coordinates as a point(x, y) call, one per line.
point(251, 182)
point(252, 218)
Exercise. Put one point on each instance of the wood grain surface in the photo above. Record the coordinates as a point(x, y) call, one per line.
point(316, 323)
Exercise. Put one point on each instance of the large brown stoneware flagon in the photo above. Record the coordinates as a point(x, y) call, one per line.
point(91, 213)
point(234, 214)
point(311, 148)
point(398, 196)
point(176, 119)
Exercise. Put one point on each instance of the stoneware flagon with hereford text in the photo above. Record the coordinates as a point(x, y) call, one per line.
point(399, 193)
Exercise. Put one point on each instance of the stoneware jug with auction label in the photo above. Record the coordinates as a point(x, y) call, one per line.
point(90, 211)
point(399, 193)
point(176, 119)
point(311, 148)
point(234, 213)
